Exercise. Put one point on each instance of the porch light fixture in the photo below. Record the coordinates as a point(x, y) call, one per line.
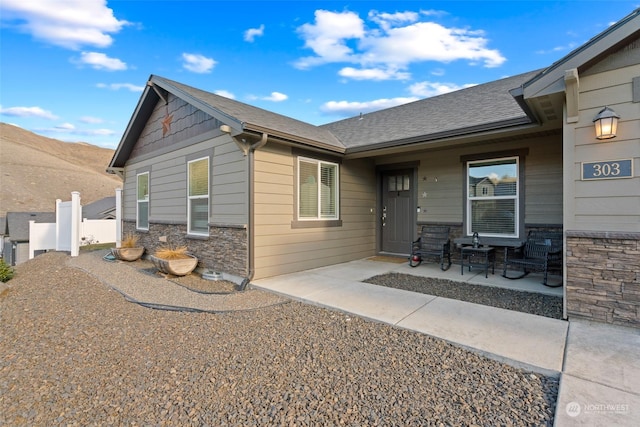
point(606, 123)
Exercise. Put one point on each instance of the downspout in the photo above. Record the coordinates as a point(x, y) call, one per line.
point(249, 151)
point(250, 225)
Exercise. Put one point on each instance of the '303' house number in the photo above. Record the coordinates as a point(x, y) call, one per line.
point(610, 169)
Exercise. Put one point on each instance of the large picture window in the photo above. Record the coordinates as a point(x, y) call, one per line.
point(317, 190)
point(198, 196)
point(142, 205)
point(492, 197)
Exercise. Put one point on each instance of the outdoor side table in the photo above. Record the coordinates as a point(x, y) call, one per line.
point(478, 257)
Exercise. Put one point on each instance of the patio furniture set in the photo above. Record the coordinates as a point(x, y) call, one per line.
point(540, 252)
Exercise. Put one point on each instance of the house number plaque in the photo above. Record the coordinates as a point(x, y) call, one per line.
point(610, 169)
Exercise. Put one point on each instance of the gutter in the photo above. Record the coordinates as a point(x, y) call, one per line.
point(249, 151)
point(456, 133)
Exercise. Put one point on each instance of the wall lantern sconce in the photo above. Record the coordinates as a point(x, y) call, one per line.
point(606, 123)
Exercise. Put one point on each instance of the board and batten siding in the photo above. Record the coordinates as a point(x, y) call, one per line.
point(281, 248)
point(442, 177)
point(612, 204)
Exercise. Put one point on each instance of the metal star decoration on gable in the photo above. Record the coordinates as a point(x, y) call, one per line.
point(166, 124)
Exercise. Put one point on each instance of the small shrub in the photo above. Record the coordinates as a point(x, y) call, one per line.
point(171, 252)
point(130, 241)
point(6, 271)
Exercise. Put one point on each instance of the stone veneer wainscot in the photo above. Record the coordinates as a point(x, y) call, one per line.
point(225, 249)
point(603, 277)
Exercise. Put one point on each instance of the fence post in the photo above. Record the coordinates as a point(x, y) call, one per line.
point(118, 217)
point(58, 201)
point(76, 214)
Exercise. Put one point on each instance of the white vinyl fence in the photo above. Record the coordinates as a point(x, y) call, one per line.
point(70, 231)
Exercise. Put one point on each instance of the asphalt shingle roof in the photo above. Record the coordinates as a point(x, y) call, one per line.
point(18, 223)
point(100, 208)
point(250, 115)
point(450, 113)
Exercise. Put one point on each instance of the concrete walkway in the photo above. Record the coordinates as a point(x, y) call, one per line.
point(598, 364)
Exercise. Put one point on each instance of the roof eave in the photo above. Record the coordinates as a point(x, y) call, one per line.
point(294, 138)
point(144, 108)
point(442, 136)
point(551, 80)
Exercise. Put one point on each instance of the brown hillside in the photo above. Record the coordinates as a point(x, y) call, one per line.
point(36, 170)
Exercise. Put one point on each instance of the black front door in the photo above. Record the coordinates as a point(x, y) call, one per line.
point(397, 211)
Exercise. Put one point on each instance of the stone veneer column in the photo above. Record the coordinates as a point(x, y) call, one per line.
point(603, 277)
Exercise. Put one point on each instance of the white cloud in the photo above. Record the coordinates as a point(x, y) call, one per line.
point(69, 23)
point(373, 74)
point(347, 108)
point(388, 20)
point(197, 63)
point(328, 37)
point(274, 97)
point(95, 132)
point(28, 112)
point(91, 120)
point(554, 50)
point(117, 86)
point(70, 129)
point(65, 127)
point(225, 93)
point(393, 42)
point(252, 33)
point(100, 61)
point(428, 89)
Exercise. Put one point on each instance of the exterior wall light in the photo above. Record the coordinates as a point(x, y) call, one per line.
point(606, 123)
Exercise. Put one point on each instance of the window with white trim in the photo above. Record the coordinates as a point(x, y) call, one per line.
point(198, 196)
point(142, 201)
point(492, 197)
point(317, 190)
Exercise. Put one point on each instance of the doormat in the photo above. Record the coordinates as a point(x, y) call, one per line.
point(386, 258)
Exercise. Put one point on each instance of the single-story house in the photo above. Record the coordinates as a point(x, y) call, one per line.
point(16, 234)
point(257, 194)
point(104, 208)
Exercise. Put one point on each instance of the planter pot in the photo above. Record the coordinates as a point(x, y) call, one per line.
point(177, 267)
point(127, 254)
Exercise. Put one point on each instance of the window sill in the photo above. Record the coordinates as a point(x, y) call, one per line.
point(317, 223)
point(197, 236)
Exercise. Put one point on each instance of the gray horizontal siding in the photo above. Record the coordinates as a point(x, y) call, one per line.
point(441, 179)
point(168, 183)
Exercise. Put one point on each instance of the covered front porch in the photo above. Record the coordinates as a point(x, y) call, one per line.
point(530, 283)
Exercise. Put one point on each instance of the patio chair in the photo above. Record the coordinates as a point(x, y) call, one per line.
point(541, 252)
point(433, 242)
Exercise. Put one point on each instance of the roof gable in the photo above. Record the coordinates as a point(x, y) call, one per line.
point(239, 116)
point(551, 80)
point(100, 209)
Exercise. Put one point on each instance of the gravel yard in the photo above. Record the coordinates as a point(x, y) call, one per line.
point(75, 352)
point(526, 302)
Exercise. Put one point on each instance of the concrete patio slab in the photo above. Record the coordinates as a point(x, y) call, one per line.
point(373, 302)
point(614, 350)
point(583, 402)
point(495, 331)
point(600, 384)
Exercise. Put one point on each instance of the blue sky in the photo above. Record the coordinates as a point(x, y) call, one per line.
point(75, 69)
